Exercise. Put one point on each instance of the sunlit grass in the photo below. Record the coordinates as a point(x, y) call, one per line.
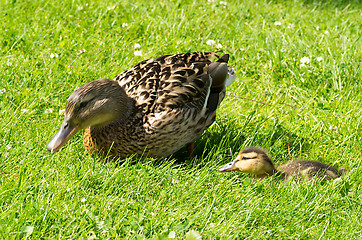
point(300, 59)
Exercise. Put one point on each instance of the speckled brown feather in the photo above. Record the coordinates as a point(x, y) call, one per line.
point(169, 94)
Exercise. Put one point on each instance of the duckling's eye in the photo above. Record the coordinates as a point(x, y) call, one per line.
point(245, 158)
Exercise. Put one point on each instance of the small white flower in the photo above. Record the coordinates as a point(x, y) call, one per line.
point(138, 53)
point(218, 45)
point(124, 24)
point(333, 128)
point(290, 26)
point(61, 111)
point(242, 49)
point(319, 59)
point(8, 147)
point(24, 110)
point(83, 200)
point(49, 110)
point(317, 28)
point(9, 63)
point(2, 90)
point(326, 32)
point(137, 46)
point(179, 42)
point(80, 8)
point(223, 3)
point(210, 42)
point(305, 60)
point(54, 55)
point(172, 234)
point(277, 23)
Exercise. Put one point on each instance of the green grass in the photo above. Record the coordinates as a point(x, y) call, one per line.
point(314, 112)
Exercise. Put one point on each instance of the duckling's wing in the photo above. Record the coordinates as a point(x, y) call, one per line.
point(186, 80)
point(310, 169)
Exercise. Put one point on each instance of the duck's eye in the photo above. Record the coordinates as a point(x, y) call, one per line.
point(246, 158)
point(83, 104)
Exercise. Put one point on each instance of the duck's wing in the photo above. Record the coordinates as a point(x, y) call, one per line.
point(186, 80)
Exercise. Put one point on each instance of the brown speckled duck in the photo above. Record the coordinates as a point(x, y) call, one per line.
point(153, 109)
point(255, 161)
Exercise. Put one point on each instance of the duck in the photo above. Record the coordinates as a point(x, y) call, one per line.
point(152, 109)
point(255, 161)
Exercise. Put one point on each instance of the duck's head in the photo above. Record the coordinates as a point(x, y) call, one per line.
point(253, 160)
point(96, 103)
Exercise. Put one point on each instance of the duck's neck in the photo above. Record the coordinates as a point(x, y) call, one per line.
point(120, 114)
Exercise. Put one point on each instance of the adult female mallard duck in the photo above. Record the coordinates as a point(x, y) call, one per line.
point(152, 109)
point(255, 161)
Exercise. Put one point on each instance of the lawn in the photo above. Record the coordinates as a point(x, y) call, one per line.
point(300, 61)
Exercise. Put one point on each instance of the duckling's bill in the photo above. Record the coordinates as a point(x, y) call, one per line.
point(231, 166)
point(66, 132)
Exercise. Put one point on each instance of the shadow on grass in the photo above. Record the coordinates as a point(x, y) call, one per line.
point(226, 138)
point(324, 4)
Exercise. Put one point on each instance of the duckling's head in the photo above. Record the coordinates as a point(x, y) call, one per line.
point(96, 103)
point(253, 160)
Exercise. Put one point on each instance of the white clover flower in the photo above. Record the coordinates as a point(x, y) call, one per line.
point(223, 3)
point(210, 42)
point(2, 91)
point(124, 24)
point(9, 63)
point(277, 23)
point(290, 26)
point(319, 59)
point(333, 128)
point(305, 60)
point(80, 8)
point(61, 111)
point(218, 45)
point(326, 32)
point(137, 46)
point(24, 110)
point(54, 55)
point(83, 200)
point(172, 234)
point(138, 53)
point(49, 110)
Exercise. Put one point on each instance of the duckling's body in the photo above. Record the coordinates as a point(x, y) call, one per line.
point(255, 161)
point(165, 103)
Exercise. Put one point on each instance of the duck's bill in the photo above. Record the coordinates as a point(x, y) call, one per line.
point(65, 133)
point(229, 167)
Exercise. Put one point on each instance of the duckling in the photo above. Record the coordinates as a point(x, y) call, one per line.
point(256, 161)
point(153, 109)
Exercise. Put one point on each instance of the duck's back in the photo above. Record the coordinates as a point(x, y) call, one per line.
point(310, 170)
point(175, 101)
